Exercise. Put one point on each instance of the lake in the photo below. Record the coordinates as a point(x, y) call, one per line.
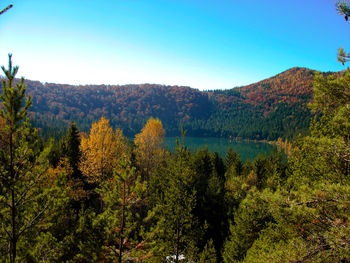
point(246, 149)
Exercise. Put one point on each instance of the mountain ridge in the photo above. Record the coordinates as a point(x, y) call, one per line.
point(268, 109)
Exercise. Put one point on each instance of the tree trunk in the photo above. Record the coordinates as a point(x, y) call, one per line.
point(122, 226)
point(13, 206)
point(177, 243)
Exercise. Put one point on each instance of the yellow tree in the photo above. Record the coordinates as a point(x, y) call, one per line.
point(101, 150)
point(148, 146)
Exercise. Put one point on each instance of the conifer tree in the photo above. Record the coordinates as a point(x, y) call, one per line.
point(122, 195)
point(24, 199)
point(174, 233)
point(72, 149)
point(343, 8)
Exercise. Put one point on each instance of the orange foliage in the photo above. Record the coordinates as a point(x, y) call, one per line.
point(100, 151)
point(148, 146)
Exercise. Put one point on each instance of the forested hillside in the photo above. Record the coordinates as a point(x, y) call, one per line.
point(97, 197)
point(91, 194)
point(275, 107)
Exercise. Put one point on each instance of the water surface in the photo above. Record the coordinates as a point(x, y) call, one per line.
point(246, 149)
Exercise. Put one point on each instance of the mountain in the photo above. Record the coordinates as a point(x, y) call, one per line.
point(272, 108)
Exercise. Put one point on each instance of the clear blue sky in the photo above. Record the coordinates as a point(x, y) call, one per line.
point(205, 44)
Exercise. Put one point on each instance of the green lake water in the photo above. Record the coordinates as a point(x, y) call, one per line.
point(246, 149)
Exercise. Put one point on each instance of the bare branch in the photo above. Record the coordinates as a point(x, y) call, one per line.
point(6, 9)
point(33, 221)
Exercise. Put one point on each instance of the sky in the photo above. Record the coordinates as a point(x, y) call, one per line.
point(204, 44)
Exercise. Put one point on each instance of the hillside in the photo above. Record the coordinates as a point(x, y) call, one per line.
point(272, 108)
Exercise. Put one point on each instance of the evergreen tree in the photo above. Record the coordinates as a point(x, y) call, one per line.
point(72, 149)
point(310, 211)
point(174, 233)
point(210, 209)
point(343, 8)
point(24, 189)
point(122, 197)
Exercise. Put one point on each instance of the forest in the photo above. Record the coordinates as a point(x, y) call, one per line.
point(273, 108)
point(95, 195)
point(99, 197)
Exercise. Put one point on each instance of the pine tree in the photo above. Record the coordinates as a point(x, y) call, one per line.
point(72, 149)
point(122, 196)
point(174, 233)
point(24, 197)
point(343, 8)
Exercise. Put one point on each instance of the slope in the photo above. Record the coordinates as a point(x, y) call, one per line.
point(272, 108)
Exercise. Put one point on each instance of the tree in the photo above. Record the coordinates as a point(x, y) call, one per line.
point(100, 151)
point(148, 146)
point(249, 219)
point(122, 196)
point(72, 148)
point(343, 8)
point(174, 232)
point(209, 184)
point(310, 211)
point(24, 197)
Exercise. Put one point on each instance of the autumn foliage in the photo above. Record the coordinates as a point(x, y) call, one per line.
point(100, 151)
point(264, 110)
point(148, 146)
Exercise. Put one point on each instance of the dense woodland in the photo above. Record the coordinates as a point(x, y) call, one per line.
point(273, 108)
point(97, 196)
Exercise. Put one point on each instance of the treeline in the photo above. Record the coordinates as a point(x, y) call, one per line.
point(97, 197)
point(273, 108)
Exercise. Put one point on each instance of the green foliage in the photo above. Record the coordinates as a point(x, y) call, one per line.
point(209, 254)
point(310, 210)
point(174, 232)
point(250, 218)
point(209, 184)
point(272, 108)
point(192, 206)
point(71, 148)
point(343, 8)
point(27, 193)
point(122, 197)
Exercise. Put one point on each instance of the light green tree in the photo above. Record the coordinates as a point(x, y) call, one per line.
point(26, 194)
point(343, 8)
point(122, 197)
point(310, 212)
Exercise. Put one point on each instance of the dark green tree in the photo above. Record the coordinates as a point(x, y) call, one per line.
point(174, 232)
point(72, 149)
point(210, 209)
